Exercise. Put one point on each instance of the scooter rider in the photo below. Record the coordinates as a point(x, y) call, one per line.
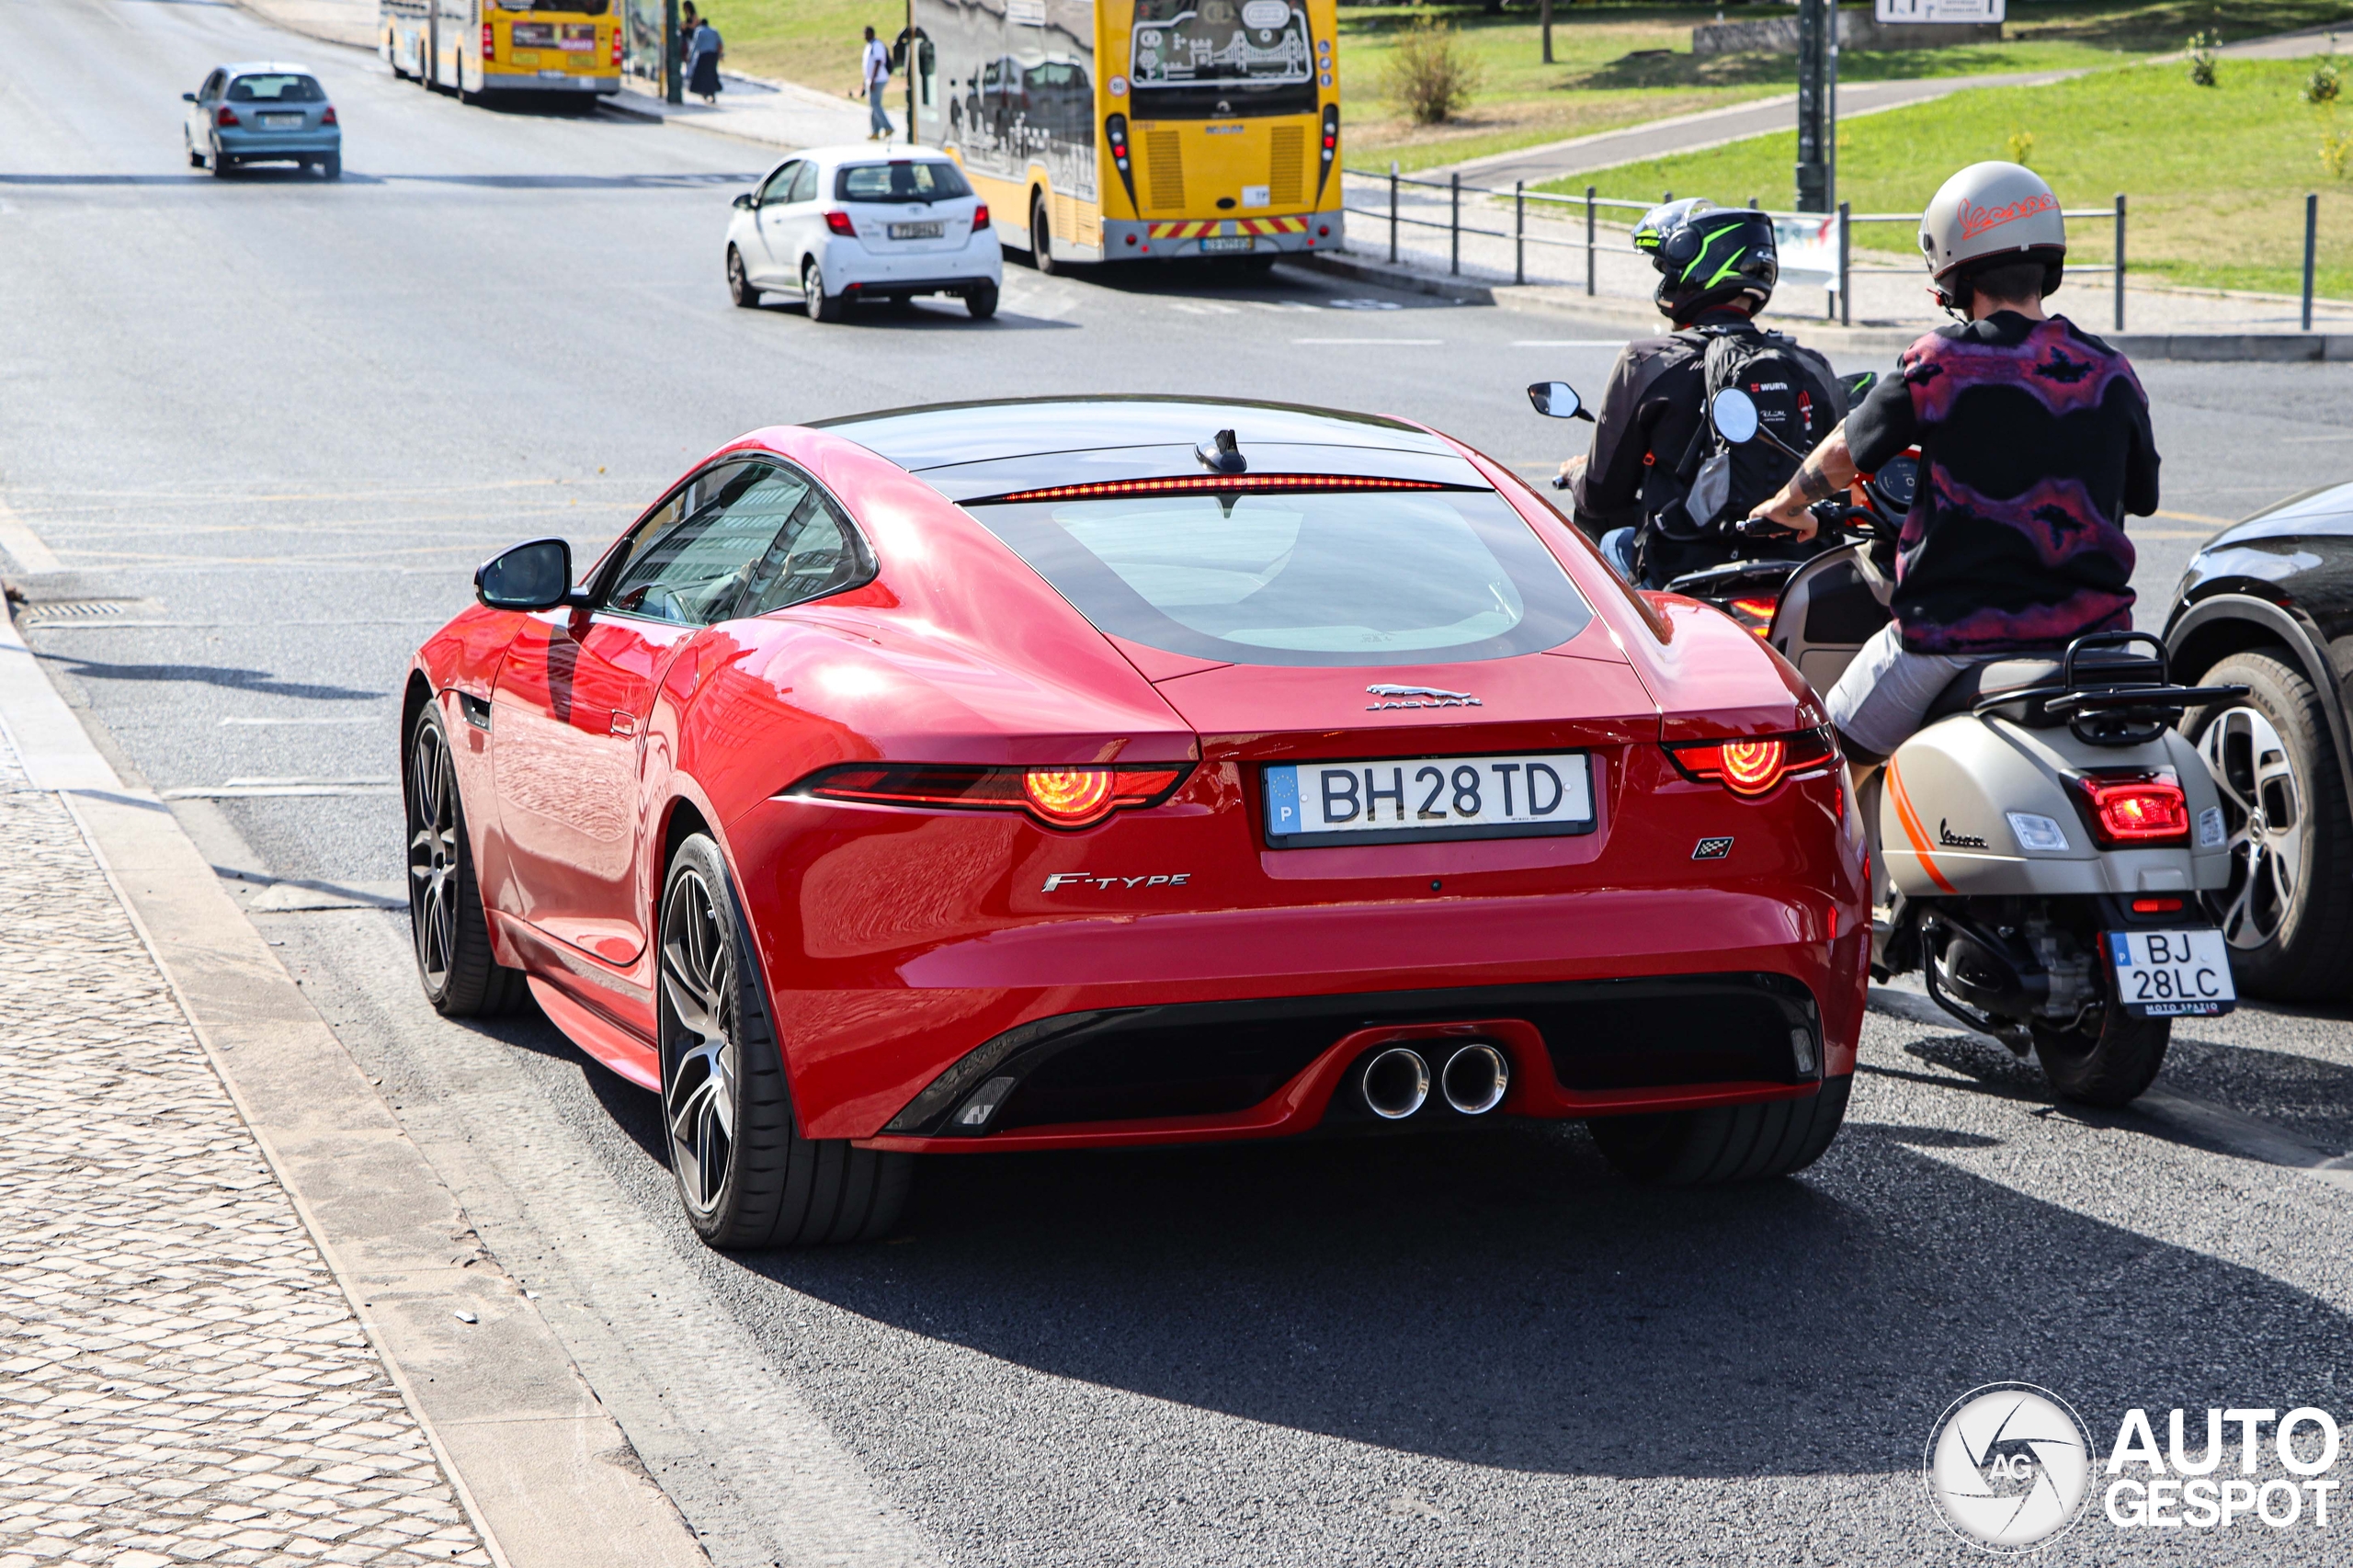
point(1717, 267)
point(2034, 442)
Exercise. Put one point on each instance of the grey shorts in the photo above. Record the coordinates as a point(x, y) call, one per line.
point(1879, 701)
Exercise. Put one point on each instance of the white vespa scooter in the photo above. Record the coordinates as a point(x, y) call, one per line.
point(2041, 844)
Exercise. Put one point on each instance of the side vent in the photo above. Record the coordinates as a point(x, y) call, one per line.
point(1164, 167)
point(1287, 166)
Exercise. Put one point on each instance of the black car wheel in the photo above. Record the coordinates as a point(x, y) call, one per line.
point(462, 978)
point(981, 299)
point(819, 304)
point(745, 1175)
point(2288, 912)
point(331, 166)
point(1724, 1143)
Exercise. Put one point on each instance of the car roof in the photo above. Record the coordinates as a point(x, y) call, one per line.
point(939, 435)
point(851, 152)
point(275, 67)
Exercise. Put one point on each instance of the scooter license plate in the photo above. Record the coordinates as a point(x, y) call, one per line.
point(2172, 974)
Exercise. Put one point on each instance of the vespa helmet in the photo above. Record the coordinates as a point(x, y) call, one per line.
point(1708, 255)
point(1990, 214)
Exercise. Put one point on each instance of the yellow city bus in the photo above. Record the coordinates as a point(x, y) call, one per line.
point(494, 46)
point(1137, 129)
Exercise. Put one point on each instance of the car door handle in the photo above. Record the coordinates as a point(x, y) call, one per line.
point(623, 724)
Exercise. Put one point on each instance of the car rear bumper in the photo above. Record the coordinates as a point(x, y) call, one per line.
point(918, 286)
point(278, 144)
point(850, 266)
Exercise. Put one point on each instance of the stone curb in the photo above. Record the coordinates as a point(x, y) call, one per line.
point(544, 1472)
point(1640, 320)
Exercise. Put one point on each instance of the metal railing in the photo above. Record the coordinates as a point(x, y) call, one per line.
point(1590, 206)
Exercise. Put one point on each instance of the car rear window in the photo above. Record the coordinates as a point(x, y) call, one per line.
point(906, 180)
point(1316, 578)
point(276, 89)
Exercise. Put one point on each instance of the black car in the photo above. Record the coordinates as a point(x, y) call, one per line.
point(2267, 604)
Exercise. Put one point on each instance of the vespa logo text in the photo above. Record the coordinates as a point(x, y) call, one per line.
point(1975, 221)
point(1418, 697)
point(1951, 840)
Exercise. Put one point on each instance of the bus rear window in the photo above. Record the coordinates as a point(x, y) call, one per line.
point(929, 180)
point(1222, 58)
point(1344, 578)
point(276, 89)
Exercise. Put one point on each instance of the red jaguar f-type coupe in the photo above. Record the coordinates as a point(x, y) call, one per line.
point(1103, 772)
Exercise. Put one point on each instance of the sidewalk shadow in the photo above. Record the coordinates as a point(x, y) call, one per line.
point(233, 676)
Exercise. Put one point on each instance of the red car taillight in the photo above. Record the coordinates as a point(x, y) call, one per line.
point(1059, 797)
point(980, 217)
point(2127, 809)
point(1755, 766)
point(840, 225)
point(328, 117)
point(225, 115)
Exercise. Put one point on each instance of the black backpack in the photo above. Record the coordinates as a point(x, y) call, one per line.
point(1723, 483)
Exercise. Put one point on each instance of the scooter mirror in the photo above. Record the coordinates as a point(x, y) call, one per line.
point(1735, 414)
point(1556, 400)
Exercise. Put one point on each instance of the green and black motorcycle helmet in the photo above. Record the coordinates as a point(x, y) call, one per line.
point(1708, 254)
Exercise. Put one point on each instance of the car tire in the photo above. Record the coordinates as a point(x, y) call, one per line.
point(746, 1176)
point(195, 158)
point(448, 928)
point(331, 166)
point(218, 162)
point(1724, 1143)
point(820, 305)
point(980, 301)
point(1041, 237)
point(2109, 1063)
point(2288, 911)
point(739, 282)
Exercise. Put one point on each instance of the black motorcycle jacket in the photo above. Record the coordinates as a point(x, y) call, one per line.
point(1651, 412)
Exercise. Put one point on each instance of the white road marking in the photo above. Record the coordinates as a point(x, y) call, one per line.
point(1569, 343)
point(228, 718)
point(24, 546)
point(1385, 342)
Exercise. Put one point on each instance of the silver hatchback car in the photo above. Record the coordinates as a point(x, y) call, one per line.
point(263, 112)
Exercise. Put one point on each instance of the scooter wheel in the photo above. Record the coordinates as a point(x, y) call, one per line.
point(2104, 1062)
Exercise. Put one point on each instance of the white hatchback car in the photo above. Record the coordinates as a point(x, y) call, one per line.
point(840, 225)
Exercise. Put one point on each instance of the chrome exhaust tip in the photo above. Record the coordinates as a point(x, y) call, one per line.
point(1396, 1084)
point(1474, 1079)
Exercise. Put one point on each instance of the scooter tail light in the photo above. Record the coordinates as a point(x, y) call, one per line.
point(839, 223)
point(1058, 796)
point(1755, 614)
point(2133, 808)
point(1753, 764)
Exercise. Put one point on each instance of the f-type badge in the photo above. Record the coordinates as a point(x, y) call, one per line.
point(1419, 697)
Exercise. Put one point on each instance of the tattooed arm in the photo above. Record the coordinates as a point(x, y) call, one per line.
point(1828, 470)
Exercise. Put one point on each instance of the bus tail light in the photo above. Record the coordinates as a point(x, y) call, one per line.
point(616, 48)
point(488, 47)
point(980, 217)
point(1754, 766)
point(840, 225)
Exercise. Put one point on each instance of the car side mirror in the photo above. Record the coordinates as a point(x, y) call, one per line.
point(747, 202)
point(188, 97)
point(1734, 413)
point(1557, 399)
point(537, 575)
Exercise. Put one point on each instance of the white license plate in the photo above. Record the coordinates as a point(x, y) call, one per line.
point(917, 230)
point(1324, 803)
point(2172, 974)
point(555, 71)
point(282, 122)
point(1217, 244)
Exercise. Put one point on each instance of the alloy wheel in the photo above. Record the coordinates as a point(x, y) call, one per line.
point(2265, 803)
point(433, 855)
point(698, 1037)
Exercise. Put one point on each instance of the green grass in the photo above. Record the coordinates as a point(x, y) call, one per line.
point(2216, 176)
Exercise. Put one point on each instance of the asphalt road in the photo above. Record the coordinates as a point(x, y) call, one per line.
point(266, 427)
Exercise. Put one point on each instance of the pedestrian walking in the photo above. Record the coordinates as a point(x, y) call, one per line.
point(877, 79)
point(702, 61)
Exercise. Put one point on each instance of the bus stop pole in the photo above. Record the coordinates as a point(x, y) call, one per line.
point(674, 91)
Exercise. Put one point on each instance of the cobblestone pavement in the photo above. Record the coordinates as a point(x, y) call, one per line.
point(181, 1380)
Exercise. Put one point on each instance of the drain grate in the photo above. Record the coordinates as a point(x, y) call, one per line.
point(79, 610)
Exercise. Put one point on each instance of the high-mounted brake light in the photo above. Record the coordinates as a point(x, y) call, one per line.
point(225, 115)
point(1755, 766)
point(1058, 796)
point(980, 217)
point(2126, 808)
point(840, 225)
point(1193, 484)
